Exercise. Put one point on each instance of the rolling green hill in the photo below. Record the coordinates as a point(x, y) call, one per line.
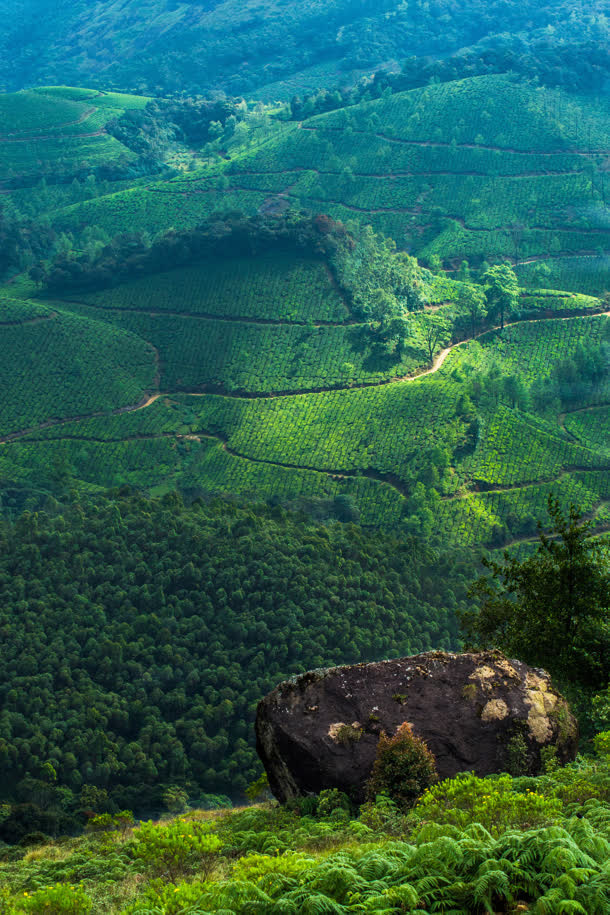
point(228, 324)
point(271, 383)
point(476, 169)
point(270, 388)
point(56, 365)
point(58, 133)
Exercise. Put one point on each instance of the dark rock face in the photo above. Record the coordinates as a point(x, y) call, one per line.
point(478, 712)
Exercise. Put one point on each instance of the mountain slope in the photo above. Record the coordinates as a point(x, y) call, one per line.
point(201, 44)
point(477, 168)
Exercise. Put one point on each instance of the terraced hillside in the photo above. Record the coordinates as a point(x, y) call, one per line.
point(478, 168)
point(55, 364)
point(253, 375)
point(268, 387)
point(58, 133)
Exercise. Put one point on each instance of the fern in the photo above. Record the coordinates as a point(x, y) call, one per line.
point(594, 895)
point(553, 903)
point(309, 903)
point(478, 832)
point(375, 866)
point(337, 879)
point(491, 884)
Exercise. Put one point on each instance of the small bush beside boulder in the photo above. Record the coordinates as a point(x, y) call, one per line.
point(404, 767)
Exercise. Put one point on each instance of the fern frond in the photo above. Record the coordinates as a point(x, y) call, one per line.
point(375, 866)
point(493, 883)
point(478, 832)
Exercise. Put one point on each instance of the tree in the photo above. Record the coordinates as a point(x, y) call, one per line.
point(37, 273)
point(476, 303)
point(551, 609)
point(436, 332)
point(501, 290)
point(515, 391)
point(435, 265)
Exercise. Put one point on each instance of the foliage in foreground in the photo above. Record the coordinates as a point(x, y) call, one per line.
point(470, 845)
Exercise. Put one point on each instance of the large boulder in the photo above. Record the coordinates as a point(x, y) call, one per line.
point(477, 712)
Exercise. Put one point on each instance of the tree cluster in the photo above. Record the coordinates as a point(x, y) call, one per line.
point(551, 609)
point(582, 67)
point(384, 285)
point(230, 234)
point(137, 636)
point(151, 131)
point(21, 240)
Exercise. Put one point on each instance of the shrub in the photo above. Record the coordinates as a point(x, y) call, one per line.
point(492, 802)
point(382, 815)
point(259, 789)
point(601, 742)
point(58, 899)
point(330, 800)
point(176, 849)
point(404, 767)
point(109, 822)
point(159, 897)
point(256, 867)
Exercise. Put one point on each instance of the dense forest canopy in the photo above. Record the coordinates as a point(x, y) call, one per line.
point(162, 46)
point(139, 635)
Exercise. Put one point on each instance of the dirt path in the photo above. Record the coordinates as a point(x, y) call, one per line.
point(151, 398)
point(589, 516)
point(393, 175)
point(37, 320)
point(26, 136)
point(583, 255)
point(561, 419)
point(211, 316)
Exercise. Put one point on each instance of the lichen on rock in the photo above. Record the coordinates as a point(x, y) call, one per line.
point(467, 707)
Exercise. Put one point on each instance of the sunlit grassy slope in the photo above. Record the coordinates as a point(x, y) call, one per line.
point(498, 844)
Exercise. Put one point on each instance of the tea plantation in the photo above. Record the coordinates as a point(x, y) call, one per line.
point(472, 169)
point(294, 402)
point(57, 365)
point(58, 134)
point(271, 384)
